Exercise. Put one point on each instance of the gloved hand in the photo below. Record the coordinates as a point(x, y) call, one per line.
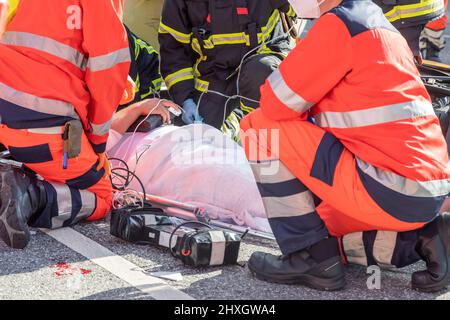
point(103, 163)
point(190, 112)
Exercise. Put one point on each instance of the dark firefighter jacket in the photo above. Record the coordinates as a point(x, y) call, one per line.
point(203, 41)
point(144, 69)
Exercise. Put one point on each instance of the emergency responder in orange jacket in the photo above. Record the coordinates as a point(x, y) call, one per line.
point(62, 76)
point(202, 45)
point(346, 143)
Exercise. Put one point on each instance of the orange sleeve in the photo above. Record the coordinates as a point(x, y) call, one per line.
point(106, 43)
point(314, 67)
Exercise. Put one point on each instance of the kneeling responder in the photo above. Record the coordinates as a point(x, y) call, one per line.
point(62, 77)
point(346, 143)
point(202, 45)
point(411, 16)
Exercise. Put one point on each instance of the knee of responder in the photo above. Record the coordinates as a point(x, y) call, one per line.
point(257, 69)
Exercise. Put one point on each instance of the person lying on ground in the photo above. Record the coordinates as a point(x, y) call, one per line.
point(196, 164)
point(359, 164)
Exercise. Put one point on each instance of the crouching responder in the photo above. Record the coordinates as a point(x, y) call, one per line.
point(432, 40)
point(62, 77)
point(346, 143)
point(202, 45)
point(411, 16)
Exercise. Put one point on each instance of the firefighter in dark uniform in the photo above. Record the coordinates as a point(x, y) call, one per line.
point(202, 45)
point(144, 69)
point(411, 16)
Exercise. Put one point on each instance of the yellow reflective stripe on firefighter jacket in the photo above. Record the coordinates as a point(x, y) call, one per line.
point(411, 12)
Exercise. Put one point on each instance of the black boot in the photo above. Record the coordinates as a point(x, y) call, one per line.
point(21, 197)
point(434, 248)
point(319, 267)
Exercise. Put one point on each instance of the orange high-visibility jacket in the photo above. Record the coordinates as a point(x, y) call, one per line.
point(63, 60)
point(355, 75)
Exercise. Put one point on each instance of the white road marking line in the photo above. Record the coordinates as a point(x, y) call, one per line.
point(118, 266)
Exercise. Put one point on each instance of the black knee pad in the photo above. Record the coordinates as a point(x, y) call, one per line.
point(255, 71)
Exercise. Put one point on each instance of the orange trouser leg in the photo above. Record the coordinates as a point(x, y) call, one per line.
point(296, 160)
point(73, 194)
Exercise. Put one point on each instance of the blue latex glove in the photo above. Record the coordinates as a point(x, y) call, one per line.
point(190, 112)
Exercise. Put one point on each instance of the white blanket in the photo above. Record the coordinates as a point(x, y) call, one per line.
point(197, 165)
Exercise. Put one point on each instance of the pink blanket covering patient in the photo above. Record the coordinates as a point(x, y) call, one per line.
point(195, 164)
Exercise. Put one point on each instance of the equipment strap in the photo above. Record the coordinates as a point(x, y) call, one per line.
point(218, 247)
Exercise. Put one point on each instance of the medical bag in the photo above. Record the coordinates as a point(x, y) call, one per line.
point(197, 244)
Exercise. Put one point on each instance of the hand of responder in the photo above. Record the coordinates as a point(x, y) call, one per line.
point(190, 112)
point(103, 163)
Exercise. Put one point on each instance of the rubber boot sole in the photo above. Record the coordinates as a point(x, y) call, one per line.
point(444, 235)
point(322, 284)
point(13, 231)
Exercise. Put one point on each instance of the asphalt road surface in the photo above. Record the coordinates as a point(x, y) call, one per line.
point(47, 269)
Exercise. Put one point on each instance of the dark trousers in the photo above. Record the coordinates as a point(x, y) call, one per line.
point(412, 36)
point(215, 109)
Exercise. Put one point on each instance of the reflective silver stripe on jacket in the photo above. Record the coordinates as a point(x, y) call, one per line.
point(374, 116)
point(393, 181)
point(109, 60)
point(278, 171)
point(286, 95)
point(45, 44)
point(180, 75)
point(101, 129)
point(34, 103)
